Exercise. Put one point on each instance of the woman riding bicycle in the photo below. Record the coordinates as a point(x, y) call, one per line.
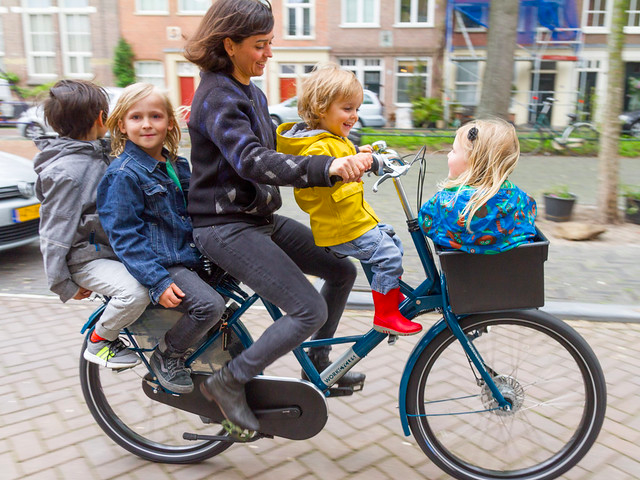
point(234, 195)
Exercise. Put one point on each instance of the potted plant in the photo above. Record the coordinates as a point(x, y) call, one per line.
point(558, 203)
point(631, 195)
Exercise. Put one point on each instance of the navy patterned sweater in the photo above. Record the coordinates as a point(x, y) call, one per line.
point(235, 168)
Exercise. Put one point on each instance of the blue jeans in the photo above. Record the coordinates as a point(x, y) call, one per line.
point(381, 249)
point(273, 260)
point(202, 307)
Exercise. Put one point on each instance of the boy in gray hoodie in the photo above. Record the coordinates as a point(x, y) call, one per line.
point(77, 257)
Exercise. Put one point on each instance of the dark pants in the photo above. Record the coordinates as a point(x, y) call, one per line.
point(272, 260)
point(202, 307)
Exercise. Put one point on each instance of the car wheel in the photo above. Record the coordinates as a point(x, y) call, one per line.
point(33, 130)
point(634, 129)
point(276, 119)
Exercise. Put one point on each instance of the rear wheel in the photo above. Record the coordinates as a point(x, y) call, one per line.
point(581, 139)
point(546, 371)
point(145, 427)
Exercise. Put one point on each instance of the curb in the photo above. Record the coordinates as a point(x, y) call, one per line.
point(361, 300)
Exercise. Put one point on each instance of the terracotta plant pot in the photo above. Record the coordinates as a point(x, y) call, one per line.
point(558, 209)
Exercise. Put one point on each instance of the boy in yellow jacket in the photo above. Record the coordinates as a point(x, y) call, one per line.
point(341, 220)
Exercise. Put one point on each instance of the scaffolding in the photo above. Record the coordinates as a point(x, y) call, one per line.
point(547, 30)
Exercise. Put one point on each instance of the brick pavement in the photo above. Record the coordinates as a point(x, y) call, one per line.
point(46, 431)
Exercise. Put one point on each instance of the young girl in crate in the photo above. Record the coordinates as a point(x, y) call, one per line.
point(478, 210)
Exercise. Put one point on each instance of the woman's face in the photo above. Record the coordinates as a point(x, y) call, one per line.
point(249, 57)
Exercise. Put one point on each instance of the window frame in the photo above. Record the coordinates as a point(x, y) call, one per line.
point(79, 55)
point(359, 23)
point(427, 61)
point(360, 67)
point(299, 9)
point(183, 11)
point(413, 14)
point(149, 78)
point(140, 11)
point(32, 55)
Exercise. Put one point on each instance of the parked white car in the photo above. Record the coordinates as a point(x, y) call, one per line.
point(32, 124)
point(19, 207)
point(371, 112)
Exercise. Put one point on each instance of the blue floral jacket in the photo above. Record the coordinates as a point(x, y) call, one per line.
point(145, 216)
point(504, 222)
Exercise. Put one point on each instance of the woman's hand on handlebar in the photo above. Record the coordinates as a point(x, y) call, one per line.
point(351, 168)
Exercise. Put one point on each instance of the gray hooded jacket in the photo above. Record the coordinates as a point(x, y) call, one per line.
point(70, 231)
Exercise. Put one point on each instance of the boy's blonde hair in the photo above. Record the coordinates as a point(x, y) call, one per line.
point(130, 96)
point(492, 152)
point(326, 84)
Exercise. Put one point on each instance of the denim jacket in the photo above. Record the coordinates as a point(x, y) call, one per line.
point(145, 216)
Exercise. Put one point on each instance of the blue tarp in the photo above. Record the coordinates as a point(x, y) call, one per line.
point(553, 14)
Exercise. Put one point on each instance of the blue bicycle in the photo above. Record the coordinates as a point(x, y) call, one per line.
point(495, 389)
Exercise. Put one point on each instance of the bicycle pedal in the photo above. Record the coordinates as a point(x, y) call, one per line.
point(341, 391)
point(238, 433)
point(392, 339)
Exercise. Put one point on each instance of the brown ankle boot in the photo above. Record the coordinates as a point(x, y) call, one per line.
point(387, 317)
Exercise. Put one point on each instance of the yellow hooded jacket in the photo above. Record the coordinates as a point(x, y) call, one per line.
point(337, 214)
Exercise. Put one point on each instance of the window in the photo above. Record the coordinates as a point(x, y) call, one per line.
point(193, 7)
point(152, 6)
point(634, 15)
point(289, 75)
point(298, 18)
point(76, 44)
point(368, 70)
point(41, 41)
point(417, 13)
point(1, 45)
point(412, 79)
point(360, 13)
point(595, 16)
point(467, 80)
point(150, 72)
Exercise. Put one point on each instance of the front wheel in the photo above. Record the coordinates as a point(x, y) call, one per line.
point(581, 139)
point(545, 370)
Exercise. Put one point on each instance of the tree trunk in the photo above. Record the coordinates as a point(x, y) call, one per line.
point(498, 73)
point(608, 161)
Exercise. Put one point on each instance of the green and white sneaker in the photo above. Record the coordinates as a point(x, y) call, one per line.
point(110, 354)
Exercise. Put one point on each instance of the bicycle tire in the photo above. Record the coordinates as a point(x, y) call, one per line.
point(148, 429)
point(581, 139)
point(543, 366)
point(531, 142)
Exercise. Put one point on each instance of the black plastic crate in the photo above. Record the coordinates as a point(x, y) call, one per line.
point(484, 283)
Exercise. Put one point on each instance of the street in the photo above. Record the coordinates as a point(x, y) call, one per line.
point(46, 431)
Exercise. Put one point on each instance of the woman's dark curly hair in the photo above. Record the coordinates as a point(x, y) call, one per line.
point(236, 19)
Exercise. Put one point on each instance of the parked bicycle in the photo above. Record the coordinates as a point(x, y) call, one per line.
point(578, 138)
point(495, 389)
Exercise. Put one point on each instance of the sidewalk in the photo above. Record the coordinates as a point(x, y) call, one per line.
point(46, 431)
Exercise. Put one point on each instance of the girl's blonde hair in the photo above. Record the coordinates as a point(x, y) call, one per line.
point(326, 84)
point(130, 96)
point(492, 150)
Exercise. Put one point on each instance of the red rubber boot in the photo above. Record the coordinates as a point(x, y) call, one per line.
point(387, 317)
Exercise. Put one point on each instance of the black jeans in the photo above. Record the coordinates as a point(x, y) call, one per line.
point(202, 307)
point(272, 260)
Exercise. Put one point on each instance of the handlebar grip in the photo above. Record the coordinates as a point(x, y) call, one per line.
point(377, 165)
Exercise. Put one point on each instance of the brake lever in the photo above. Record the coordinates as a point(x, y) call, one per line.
point(386, 176)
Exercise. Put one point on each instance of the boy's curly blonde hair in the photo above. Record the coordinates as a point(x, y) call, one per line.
point(130, 96)
point(326, 84)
